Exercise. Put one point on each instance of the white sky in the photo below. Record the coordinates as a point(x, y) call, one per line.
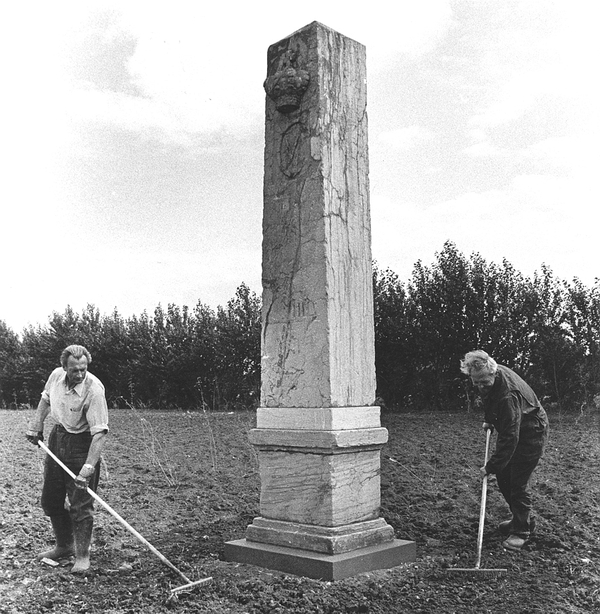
point(133, 138)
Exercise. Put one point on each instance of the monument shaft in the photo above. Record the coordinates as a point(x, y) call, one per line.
point(318, 341)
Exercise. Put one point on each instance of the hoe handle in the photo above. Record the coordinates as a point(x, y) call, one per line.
point(110, 510)
point(483, 502)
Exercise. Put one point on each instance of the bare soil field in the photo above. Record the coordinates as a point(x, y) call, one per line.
point(188, 482)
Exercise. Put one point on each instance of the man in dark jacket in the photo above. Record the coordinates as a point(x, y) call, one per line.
point(514, 411)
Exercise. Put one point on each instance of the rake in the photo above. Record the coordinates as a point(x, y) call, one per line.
point(477, 569)
point(189, 584)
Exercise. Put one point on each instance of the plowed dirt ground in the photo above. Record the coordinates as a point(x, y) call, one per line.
point(188, 482)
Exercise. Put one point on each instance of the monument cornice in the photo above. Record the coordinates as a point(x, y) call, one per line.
point(319, 441)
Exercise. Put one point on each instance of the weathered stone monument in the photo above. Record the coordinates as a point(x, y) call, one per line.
point(318, 434)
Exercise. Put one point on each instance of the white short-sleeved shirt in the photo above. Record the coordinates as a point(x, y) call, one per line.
point(82, 408)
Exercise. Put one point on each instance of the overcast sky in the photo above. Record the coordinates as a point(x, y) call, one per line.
point(133, 140)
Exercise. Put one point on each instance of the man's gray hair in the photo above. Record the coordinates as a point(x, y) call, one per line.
point(478, 361)
point(77, 351)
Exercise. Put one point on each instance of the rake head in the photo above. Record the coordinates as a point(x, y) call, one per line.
point(477, 572)
point(190, 585)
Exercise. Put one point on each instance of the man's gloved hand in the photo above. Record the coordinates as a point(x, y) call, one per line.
point(82, 480)
point(34, 436)
point(488, 426)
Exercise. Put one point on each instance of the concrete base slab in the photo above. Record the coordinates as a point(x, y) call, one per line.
point(321, 566)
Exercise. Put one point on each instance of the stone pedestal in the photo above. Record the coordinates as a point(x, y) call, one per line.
point(318, 435)
point(320, 495)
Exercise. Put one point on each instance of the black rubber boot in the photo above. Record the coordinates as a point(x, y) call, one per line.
point(82, 531)
point(63, 533)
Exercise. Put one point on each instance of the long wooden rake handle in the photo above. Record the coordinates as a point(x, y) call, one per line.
point(483, 502)
point(110, 510)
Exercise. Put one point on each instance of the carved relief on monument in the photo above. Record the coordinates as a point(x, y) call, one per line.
point(294, 150)
point(302, 308)
point(288, 84)
point(289, 310)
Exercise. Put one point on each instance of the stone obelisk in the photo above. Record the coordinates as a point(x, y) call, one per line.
point(318, 435)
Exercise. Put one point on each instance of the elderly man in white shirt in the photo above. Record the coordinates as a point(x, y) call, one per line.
point(76, 400)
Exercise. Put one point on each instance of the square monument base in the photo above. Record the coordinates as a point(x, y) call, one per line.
point(321, 566)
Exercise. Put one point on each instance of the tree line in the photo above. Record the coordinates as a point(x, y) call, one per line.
point(547, 329)
point(175, 358)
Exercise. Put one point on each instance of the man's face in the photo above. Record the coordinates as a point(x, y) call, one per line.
point(76, 370)
point(483, 382)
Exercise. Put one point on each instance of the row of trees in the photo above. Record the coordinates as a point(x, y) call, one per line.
point(546, 329)
point(176, 358)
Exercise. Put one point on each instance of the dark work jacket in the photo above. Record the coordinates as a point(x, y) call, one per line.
point(518, 417)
